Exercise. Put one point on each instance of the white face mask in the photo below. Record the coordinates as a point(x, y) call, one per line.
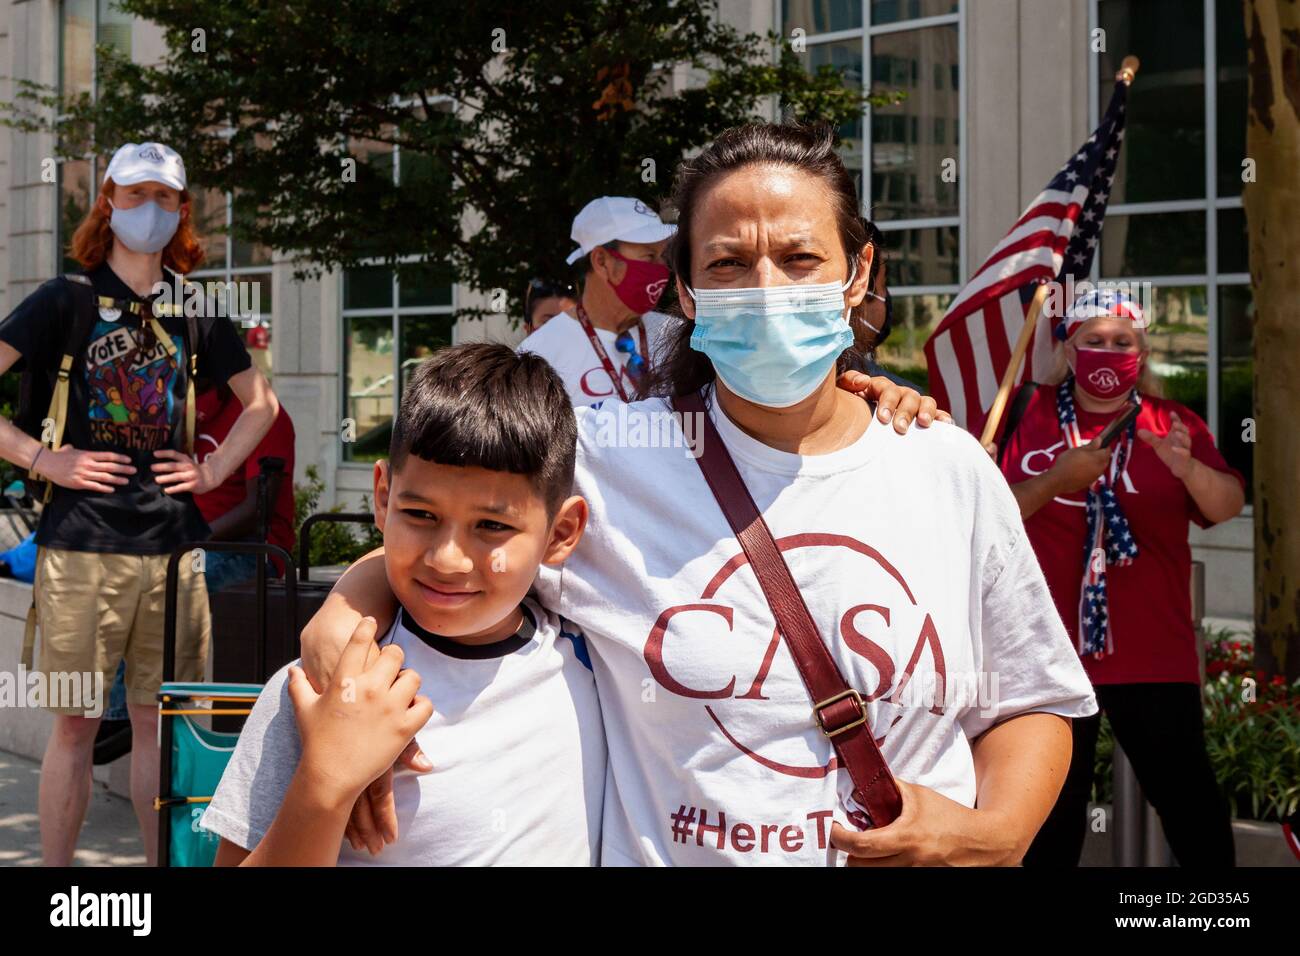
point(145, 228)
point(772, 345)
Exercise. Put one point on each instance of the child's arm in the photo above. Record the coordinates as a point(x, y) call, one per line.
point(362, 591)
point(350, 734)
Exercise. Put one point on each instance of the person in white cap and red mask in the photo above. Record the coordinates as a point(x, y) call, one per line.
point(604, 346)
point(1108, 523)
point(119, 470)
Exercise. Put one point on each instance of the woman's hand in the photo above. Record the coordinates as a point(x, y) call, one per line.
point(367, 716)
point(893, 401)
point(1075, 469)
point(931, 831)
point(84, 470)
point(1175, 449)
point(179, 472)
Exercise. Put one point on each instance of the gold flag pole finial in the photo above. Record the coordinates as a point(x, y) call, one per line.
point(1128, 69)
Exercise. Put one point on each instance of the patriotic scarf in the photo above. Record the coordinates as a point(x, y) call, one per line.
point(1109, 540)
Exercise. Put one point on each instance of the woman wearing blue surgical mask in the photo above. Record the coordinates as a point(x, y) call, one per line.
point(906, 549)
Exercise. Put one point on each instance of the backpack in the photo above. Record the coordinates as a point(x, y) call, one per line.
point(43, 392)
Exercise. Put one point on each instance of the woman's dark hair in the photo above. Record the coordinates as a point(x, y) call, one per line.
point(811, 148)
point(485, 405)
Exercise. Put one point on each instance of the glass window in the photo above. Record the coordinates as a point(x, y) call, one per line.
point(425, 285)
point(820, 16)
point(1153, 244)
point(368, 287)
point(845, 56)
point(910, 140)
point(1236, 377)
point(1164, 145)
point(74, 203)
point(246, 253)
point(1234, 250)
point(1179, 344)
point(892, 11)
point(114, 28)
point(922, 256)
point(423, 335)
point(208, 209)
point(369, 383)
point(1230, 93)
point(915, 318)
point(78, 47)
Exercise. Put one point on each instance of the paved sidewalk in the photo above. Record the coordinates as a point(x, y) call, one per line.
point(109, 837)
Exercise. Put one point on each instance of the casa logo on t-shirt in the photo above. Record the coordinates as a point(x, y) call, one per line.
point(730, 680)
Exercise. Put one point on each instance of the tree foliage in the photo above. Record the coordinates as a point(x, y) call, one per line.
point(509, 116)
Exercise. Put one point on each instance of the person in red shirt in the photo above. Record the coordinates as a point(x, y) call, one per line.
point(230, 509)
point(1109, 526)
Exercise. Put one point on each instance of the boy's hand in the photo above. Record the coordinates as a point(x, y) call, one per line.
point(368, 714)
point(893, 401)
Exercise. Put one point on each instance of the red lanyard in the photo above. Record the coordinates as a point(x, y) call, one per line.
point(615, 376)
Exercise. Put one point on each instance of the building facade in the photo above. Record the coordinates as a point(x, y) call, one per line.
point(997, 94)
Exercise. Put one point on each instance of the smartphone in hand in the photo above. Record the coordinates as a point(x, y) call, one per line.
point(1118, 424)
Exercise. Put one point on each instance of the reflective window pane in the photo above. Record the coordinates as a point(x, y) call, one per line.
point(1153, 244)
point(820, 16)
point(1164, 146)
point(77, 47)
point(368, 378)
point(114, 27)
point(243, 252)
point(922, 257)
point(845, 57)
point(422, 335)
point(915, 319)
point(426, 285)
point(368, 287)
point(1236, 377)
point(1234, 248)
point(892, 11)
point(208, 210)
point(1179, 343)
point(911, 140)
point(74, 203)
point(1230, 106)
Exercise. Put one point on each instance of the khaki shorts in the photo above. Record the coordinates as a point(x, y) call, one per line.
point(94, 610)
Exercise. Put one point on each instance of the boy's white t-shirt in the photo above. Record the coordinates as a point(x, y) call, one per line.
point(563, 343)
point(515, 739)
point(913, 560)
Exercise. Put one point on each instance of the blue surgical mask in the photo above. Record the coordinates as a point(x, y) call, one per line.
point(144, 228)
point(772, 345)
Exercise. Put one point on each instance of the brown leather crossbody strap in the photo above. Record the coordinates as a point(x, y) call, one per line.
point(837, 708)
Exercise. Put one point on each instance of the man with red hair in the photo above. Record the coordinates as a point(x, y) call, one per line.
point(116, 453)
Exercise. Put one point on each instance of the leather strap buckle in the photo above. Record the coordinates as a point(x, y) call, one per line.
point(857, 700)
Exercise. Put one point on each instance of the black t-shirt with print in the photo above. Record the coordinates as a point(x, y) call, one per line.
point(126, 395)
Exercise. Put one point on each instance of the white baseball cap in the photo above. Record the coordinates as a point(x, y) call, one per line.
point(146, 163)
point(611, 218)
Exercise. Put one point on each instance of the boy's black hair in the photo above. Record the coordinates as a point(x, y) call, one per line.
point(486, 406)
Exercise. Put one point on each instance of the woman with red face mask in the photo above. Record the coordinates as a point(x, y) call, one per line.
point(1109, 526)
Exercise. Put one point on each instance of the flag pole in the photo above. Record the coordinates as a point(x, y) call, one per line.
point(1128, 69)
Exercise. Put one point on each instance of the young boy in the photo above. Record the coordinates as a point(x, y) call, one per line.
point(474, 496)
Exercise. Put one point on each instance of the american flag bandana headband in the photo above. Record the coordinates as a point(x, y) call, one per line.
point(1109, 540)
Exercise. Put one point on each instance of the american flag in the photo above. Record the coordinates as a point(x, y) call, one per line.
point(1055, 237)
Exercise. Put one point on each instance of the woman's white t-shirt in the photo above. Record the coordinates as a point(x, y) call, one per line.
point(563, 342)
point(912, 558)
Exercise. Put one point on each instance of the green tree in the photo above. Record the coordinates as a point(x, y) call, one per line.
point(509, 116)
point(1273, 218)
